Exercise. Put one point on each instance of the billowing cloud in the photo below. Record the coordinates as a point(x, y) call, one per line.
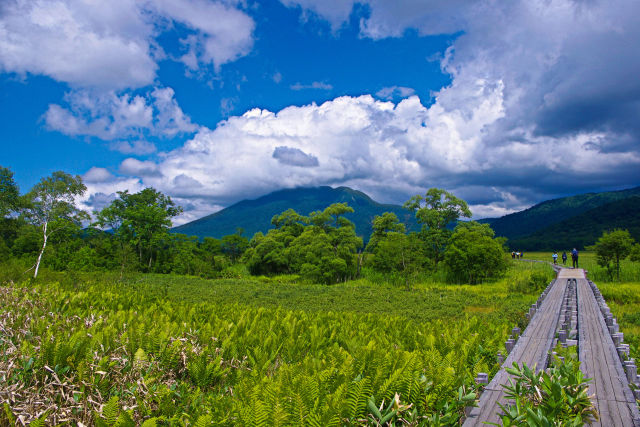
point(112, 45)
point(109, 116)
point(97, 175)
point(389, 150)
point(547, 87)
point(220, 33)
point(543, 101)
point(294, 157)
point(135, 167)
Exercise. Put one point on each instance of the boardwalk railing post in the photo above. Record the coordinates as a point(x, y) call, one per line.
point(509, 345)
point(562, 336)
point(630, 367)
point(482, 378)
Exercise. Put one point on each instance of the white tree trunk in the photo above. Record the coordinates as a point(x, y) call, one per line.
point(44, 245)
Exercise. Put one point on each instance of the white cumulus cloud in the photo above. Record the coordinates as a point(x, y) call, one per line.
point(112, 44)
point(110, 116)
point(388, 150)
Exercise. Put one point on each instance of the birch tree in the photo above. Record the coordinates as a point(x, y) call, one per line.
point(50, 206)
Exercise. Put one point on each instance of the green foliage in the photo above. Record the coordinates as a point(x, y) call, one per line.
point(473, 254)
point(321, 247)
point(611, 248)
point(234, 245)
point(437, 210)
point(382, 225)
point(401, 254)
point(554, 397)
point(142, 220)
point(50, 206)
point(542, 215)
point(181, 351)
point(9, 192)
point(581, 228)
point(532, 283)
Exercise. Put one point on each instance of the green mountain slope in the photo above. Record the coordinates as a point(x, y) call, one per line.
point(255, 215)
point(542, 215)
point(584, 229)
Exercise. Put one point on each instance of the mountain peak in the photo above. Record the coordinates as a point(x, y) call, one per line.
point(255, 215)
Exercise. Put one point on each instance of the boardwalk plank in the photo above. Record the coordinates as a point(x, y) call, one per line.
point(532, 347)
point(609, 389)
point(599, 360)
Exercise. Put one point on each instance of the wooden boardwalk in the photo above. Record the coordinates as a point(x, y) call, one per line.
point(600, 361)
point(531, 348)
point(597, 353)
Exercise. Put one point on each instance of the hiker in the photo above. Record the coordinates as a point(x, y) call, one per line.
point(555, 257)
point(564, 257)
point(513, 254)
point(521, 254)
point(574, 257)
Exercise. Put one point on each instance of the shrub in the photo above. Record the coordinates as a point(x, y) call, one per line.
point(473, 254)
point(558, 396)
point(530, 283)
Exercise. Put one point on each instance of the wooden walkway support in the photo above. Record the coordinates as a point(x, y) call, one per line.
point(600, 361)
point(531, 348)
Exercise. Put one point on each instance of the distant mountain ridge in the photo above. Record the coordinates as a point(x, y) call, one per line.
point(584, 229)
point(255, 215)
point(524, 223)
point(553, 224)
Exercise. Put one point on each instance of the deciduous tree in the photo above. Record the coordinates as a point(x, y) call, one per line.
point(612, 247)
point(9, 192)
point(142, 219)
point(437, 210)
point(473, 254)
point(50, 206)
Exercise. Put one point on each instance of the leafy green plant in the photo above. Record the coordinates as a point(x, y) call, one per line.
point(554, 397)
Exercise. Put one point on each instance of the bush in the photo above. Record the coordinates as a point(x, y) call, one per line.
point(558, 396)
point(530, 283)
point(473, 254)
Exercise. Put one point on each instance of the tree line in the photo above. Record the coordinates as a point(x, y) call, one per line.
point(45, 227)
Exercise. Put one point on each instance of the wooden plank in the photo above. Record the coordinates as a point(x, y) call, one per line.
point(612, 396)
point(599, 360)
point(531, 348)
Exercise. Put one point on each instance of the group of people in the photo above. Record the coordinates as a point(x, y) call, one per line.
point(517, 255)
point(574, 257)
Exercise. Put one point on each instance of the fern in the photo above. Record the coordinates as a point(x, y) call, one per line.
point(357, 396)
point(111, 411)
point(151, 422)
point(203, 421)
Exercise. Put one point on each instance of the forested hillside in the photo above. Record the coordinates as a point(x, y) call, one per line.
point(550, 212)
point(255, 215)
point(584, 229)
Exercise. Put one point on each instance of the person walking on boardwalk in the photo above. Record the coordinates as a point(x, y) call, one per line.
point(564, 257)
point(574, 257)
point(555, 257)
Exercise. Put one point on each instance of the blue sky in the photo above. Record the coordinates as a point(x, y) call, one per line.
point(215, 101)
